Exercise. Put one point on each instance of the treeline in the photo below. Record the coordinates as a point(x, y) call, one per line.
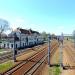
point(45, 36)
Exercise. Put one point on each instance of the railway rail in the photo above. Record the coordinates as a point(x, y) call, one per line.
point(9, 55)
point(32, 62)
point(71, 55)
point(33, 69)
point(27, 62)
point(69, 67)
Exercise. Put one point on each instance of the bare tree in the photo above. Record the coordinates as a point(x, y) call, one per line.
point(4, 25)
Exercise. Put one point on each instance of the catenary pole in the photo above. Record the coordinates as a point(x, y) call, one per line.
point(49, 49)
point(61, 49)
point(14, 55)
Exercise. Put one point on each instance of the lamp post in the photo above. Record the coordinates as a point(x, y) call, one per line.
point(49, 50)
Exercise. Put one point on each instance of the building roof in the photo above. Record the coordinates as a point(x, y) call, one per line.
point(11, 37)
point(3, 35)
point(24, 31)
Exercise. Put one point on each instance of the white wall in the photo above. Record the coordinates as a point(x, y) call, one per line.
point(31, 40)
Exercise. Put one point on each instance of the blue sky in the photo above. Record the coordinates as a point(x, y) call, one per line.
point(54, 16)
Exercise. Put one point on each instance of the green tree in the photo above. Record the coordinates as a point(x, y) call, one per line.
point(45, 36)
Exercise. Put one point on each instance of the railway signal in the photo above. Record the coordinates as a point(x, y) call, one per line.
point(49, 49)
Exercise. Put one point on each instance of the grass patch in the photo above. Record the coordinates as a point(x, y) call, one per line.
point(5, 66)
point(57, 71)
point(54, 71)
point(1, 50)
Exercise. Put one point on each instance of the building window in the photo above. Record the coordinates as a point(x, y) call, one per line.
point(37, 40)
point(11, 45)
point(8, 45)
point(23, 44)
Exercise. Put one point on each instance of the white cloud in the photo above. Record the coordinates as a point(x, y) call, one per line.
point(18, 22)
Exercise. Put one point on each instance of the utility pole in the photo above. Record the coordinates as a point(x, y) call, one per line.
point(0, 40)
point(74, 37)
point(20, 39)
point(49, 50)
point(14, 51)
point(61, 49)
point(18, 29)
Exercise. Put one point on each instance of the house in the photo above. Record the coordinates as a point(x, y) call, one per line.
point(21, 38)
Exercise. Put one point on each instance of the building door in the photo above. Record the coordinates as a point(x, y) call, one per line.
point(4, 45)
point(23, 44)
point(16, 45)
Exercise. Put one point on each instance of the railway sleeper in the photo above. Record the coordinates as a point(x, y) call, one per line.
point(68, 67)
point(9, 72)
point(35, 67)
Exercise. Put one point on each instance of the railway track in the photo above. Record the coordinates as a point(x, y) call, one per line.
point(5, 57)
point(32, 63)
point(71, 55)
point(54, 49)
point(33, 70)
point(9, 55)
point(25, 63)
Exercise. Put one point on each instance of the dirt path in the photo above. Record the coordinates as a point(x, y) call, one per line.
point(45, 70)
point(68, 58)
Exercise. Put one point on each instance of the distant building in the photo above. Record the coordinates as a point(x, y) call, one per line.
point(23, 38)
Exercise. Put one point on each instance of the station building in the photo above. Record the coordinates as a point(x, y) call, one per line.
point(22, 38)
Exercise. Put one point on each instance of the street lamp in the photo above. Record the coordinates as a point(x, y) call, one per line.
point(49, 49)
